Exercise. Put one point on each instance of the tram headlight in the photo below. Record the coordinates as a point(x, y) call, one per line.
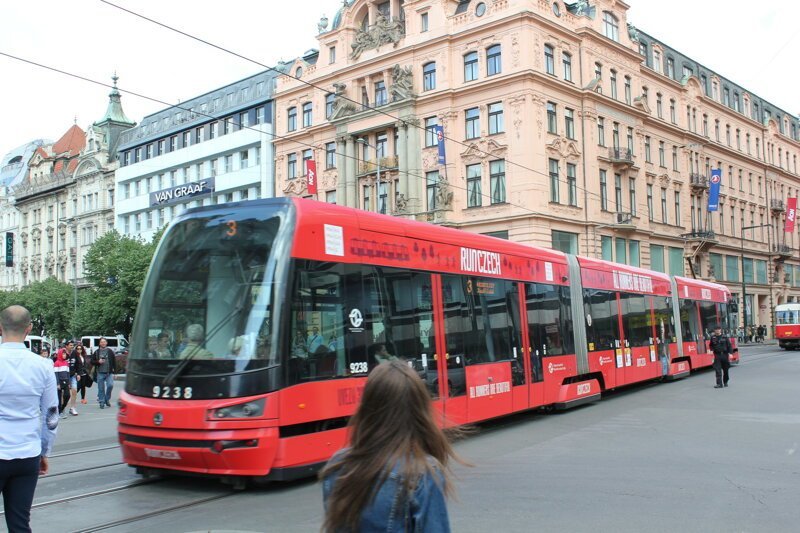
point(250, 409)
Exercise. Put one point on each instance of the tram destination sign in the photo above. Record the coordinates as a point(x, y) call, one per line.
point(180, 193)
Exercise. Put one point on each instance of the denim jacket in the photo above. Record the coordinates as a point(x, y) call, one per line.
point(391, 511)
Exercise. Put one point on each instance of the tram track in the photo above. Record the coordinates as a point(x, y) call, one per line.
point(83, 469)
point(151, 514)
point(86, 450)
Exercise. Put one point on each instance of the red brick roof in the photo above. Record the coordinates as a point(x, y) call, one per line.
point(71, 142)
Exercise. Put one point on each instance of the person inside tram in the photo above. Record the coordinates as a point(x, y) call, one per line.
point(162, 348)
point(194, 344)
point(152, 347)
point(379, 354)
point(299, 347)
point(315, 340)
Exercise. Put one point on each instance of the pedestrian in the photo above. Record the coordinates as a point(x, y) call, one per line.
point(79, 372)
point(721, 346)
point(395, 475)
point(61, 369)
point(104, 361)
point(28, 417)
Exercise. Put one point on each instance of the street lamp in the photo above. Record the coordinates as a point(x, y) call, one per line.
point(362, 140)
point(744, 283)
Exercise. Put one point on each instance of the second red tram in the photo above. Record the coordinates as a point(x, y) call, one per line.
point(259, 322)
point(787, 325)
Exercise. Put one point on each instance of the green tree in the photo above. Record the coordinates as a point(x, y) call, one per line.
point(50, 301)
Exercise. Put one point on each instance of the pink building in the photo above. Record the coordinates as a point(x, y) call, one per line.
point(564, 126)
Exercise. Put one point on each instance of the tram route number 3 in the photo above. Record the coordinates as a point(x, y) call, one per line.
point(174, 393)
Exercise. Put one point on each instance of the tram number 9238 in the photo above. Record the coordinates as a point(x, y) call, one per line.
point(174, 393)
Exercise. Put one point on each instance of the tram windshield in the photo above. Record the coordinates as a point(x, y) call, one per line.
point(207, 303)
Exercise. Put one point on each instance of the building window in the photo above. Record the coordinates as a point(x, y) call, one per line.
point(672, 116)
point(329, 99)
point(423, 22)
point(647, 157)
point(367, 206)
point(381, 97)
point(601, 131)
point(572, 184)
point(632, 194)
point(244, 159)
point(308, 155)
point(659, 106)
point(199, 136)
point(472, 123)
point(471, 66)
point(564, 241)
point(381, 141)
point(671, 67)
point(610, 26)
point(429, 76)
point(615, 135)
point(307, 111)
point(291, 120)
point(569, 123)
point(603, 191)
point(497, 181)
point(662, 161)
point(628, 97)
point(677, 208)
point(496, 118)
point(630, 140)
point(431, 183)
point(613, 84)
point(474, 185)
point(549, 60)
point(674, 158)
point(291, 170)
point(664, 214)
point(566, 61)
point(430, 131)
point(330, 155)
point(649, 202)
point(552, 120)
point(555, 197)
point(227, 124)
point(598, 73)
point(212, 164)
point(493, 60)
point(726, 96)
point(618, 193)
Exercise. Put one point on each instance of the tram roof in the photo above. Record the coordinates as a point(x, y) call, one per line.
point(792, 306)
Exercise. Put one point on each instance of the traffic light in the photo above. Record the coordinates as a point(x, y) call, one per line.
point(9, 249)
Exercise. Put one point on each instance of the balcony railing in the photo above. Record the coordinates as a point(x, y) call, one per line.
point(620, 155)
point(777, 205)
point(700, 235)
point(782, 249)
point(369, 167)
point(698, 181)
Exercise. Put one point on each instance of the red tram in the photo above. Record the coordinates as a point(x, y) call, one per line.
point(787, 325)
point(259, 322)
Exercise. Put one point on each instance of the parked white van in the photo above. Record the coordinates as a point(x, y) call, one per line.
point(115, 342)
point(35, 343)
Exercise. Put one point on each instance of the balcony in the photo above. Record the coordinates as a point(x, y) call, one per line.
point(781, 251)
point(698, 182)
point(701, 240)
point(620, 156)
point(777, 206)
point(623, 222)
point(371, 167)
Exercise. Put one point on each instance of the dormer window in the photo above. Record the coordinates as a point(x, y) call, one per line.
point(298, 72)
point(610, 26)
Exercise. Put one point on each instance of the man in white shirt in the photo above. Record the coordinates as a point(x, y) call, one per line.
point(28, 417)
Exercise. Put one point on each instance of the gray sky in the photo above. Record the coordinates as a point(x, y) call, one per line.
point(752, 44)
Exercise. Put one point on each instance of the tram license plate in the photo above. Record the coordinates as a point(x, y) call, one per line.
point(162, 454)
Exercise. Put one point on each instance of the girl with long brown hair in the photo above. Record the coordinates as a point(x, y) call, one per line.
point(395, 475)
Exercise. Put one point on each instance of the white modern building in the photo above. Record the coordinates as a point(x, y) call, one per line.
point(215, 148)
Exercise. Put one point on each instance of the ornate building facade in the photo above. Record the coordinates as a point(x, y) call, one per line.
point(67, 199)
point(564, 126)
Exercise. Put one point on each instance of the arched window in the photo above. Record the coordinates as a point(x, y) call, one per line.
point(429, 76)
point(610, 26)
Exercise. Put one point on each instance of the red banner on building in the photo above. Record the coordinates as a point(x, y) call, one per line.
point(791, 213)
point(311, 174)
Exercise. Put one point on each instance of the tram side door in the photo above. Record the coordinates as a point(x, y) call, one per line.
point(434, 363)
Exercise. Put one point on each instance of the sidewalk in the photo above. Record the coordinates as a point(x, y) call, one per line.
point(765, 343)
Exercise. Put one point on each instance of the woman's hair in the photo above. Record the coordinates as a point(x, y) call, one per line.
point(394, 426)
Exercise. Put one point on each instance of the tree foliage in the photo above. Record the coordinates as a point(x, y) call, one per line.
point(116, 266)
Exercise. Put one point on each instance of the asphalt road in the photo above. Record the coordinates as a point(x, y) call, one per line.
point(679, 456)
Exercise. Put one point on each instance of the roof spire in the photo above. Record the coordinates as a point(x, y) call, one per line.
point(114, 113)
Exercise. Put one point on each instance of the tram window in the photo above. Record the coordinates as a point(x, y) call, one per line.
point(689, 321)
point(602, 329)
point(549, 319)
point(724, 319)
point(636, 319)
point(708, 317)
point(665, 329)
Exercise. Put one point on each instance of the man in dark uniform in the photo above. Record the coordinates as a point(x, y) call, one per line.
point(721, 346)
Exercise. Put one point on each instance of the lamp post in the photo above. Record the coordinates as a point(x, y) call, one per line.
point(362, 140)
point(744, 283)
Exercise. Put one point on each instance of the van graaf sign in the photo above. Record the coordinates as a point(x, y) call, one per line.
point(181, 192)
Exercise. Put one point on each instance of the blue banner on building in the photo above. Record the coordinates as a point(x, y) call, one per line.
point(440, 142)
point(713, 191)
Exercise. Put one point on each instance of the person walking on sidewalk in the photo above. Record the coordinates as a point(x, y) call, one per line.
point(721, 346)
point(28, 417)
point(103, 359)
point(61, 369)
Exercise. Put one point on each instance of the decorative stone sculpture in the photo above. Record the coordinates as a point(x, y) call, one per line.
point(384, 31)
point(322, 25)
point(444, 196)
point(633, 33)
point(581, 7)
point(402, 83)
point(401, 204)
point(342, 107)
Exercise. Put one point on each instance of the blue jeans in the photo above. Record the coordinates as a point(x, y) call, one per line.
point(105, 384)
